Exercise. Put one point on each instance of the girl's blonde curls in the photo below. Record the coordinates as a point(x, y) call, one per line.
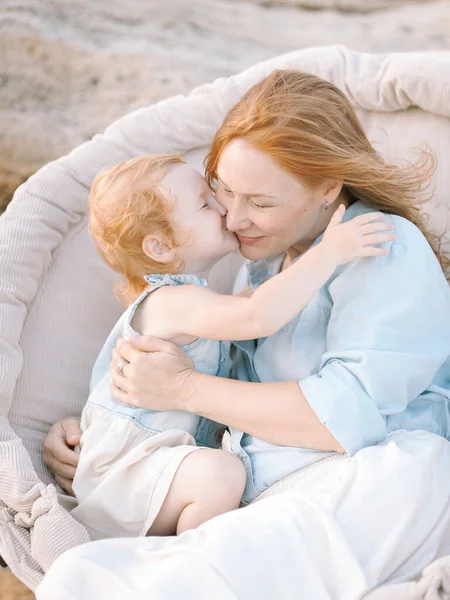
point(125, 205)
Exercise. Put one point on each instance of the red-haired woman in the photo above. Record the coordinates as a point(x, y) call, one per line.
point(352, 395)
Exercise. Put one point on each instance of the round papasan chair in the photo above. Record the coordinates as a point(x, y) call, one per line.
point(56, 301)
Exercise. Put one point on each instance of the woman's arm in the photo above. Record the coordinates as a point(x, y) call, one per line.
point(277, 412)
point(160, 376)
point(200, 312)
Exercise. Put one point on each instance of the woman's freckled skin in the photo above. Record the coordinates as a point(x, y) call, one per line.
point(291, 220)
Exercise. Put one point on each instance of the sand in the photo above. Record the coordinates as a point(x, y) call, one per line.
point(68, 69)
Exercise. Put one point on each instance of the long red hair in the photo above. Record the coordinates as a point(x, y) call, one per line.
point(309, 128)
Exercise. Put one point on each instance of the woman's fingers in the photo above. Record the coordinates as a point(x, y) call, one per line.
point(150, 378)
point(121, 396)
point(57, 448)
point(56, 461)
point(66, 485)
point(119, 380)
point(64, 454)
point(150, 343)
point(133, 349)
point(126, 351)
point(133, 353)
point(63, 470)
point(54, 464)
point(71, 426)
point(116, 358)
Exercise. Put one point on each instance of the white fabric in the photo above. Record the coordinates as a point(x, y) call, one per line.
point(315, 541)
point(30, 514)
point(124, 473)
point(434, 584)
point(56, 301)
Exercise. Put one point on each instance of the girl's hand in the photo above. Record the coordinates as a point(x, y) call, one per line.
point(358, 237)
point(156, 377)
point(58, 453)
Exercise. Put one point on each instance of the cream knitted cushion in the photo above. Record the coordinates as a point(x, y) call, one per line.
point(56, 301)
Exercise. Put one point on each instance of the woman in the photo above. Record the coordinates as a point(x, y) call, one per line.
point(360, 378)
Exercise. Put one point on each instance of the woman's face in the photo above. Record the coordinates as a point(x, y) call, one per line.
point(269, 209)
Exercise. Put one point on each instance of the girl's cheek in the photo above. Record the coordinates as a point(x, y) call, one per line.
point(222, 199)
point(213, 218)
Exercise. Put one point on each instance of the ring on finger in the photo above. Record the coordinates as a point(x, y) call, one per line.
point(120, 366)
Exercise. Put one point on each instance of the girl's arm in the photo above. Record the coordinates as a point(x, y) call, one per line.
point(203, 313)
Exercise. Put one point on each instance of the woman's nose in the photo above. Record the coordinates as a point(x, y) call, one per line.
point(236, 218)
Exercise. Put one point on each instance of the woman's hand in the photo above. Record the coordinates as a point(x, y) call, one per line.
point(58, 453)
point(157, 374)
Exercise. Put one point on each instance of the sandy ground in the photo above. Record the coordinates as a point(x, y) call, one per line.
point(68, 69)
point(12, 589)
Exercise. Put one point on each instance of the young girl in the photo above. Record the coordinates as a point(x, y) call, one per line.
point(155, 221)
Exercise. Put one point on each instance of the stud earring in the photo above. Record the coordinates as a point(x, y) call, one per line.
point(326, 206)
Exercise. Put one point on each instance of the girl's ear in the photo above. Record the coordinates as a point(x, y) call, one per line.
point(157, 247)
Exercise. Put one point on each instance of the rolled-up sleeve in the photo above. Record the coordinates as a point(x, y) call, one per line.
point(388, 335)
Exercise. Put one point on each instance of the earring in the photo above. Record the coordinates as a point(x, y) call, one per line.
point(326, 206)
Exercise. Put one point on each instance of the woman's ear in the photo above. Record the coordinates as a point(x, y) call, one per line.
point(331, 190)
point(158, 248)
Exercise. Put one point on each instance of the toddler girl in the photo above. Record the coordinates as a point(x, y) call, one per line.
point(155, 220)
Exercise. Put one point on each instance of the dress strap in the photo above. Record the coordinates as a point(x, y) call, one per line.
point(179, 279)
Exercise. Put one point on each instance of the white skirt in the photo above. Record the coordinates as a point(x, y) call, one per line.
point(124, 473)
point(332, 532)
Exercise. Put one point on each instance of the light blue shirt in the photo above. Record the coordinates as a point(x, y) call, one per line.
point(370, 352)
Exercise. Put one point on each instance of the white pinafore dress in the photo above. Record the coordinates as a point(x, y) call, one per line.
point(129, 456)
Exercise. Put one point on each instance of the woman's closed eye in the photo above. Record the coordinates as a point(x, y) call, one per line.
point(257, 205)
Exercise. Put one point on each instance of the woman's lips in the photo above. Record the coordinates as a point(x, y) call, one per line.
point(248, 240)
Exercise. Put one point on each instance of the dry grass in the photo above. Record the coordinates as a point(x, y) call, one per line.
point(12, 589)
point(8, 184)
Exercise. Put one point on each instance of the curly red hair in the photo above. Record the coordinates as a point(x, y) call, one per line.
point(125, 205)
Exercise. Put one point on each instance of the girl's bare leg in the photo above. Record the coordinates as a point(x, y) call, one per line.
point(208, 483)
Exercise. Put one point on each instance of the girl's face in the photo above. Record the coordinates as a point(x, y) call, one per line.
point(198, 220)
point(269, 209)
